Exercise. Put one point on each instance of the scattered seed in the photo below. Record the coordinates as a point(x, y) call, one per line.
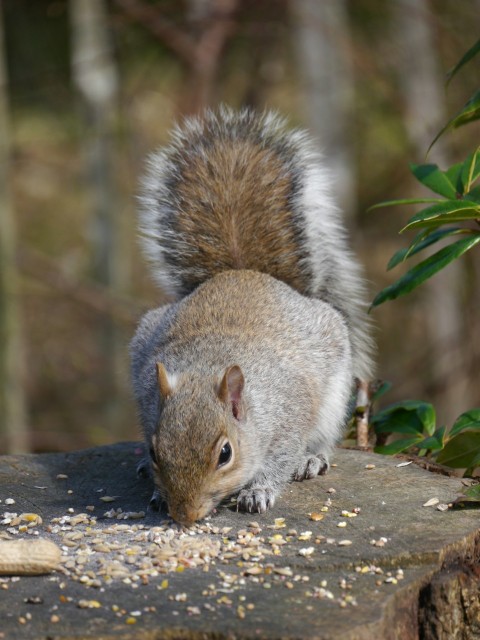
point(180, 597)
point(88, 604)
point(431, 502)
point(305, 535)
point(404, 464)
point(369, 467)
point(381, 542)
point(193, 611)
point(33, 600)
point(316, 517)
point(442, 507)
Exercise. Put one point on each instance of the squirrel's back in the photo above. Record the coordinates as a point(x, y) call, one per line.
point(237, 190)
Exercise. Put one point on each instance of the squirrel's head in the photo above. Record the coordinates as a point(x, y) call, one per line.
point(196, 456)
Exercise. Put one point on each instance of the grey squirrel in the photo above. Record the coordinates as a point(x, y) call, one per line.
point(244, 382)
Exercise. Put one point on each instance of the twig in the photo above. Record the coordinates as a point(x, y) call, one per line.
point(43, 268)
point(362, 412)
point(172, 37)
point(200, 51)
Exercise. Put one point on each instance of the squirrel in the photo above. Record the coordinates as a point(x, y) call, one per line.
point(244, 382)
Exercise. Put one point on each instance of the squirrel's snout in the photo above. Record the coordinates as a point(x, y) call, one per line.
point(185, 515)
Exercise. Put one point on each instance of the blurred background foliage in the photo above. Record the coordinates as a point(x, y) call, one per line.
point(90, 87)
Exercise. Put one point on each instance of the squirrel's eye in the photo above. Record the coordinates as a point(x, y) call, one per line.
point(152, 455)
point(225, 454)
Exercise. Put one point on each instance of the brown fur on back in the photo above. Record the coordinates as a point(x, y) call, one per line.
point(234, 209)
point(239, 191)
point(225, 193)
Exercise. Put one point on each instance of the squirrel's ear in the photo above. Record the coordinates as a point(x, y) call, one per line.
point(165, 381)
point(230, 389)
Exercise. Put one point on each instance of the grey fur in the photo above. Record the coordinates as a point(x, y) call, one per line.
point(297, 372)
point(333, 273)
point(299, 352)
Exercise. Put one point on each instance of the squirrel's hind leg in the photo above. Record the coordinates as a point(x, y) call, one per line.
point(311, 466)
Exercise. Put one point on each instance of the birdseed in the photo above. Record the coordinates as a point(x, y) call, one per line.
point(115, 546)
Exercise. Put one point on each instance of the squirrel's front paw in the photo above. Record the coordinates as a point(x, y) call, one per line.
point(156, 502)
point(255, 500)
point(143, 468)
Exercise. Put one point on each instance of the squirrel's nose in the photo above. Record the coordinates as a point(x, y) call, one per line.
point(184, 514)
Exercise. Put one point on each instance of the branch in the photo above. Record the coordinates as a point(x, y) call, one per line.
point(219, 26)
point(172, 37)
point(98, 298)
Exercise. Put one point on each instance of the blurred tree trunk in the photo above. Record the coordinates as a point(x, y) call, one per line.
point(322, 42)
point(95, 76)
point(425, 113)
point(13, 415)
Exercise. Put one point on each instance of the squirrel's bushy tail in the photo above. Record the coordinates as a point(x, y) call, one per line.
point(237, 190)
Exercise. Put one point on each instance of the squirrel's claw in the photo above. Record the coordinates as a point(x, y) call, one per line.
point(143, 468)
point(156, 501)
point(255, 500)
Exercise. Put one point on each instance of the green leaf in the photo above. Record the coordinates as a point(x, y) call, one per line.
point(461, 451)
point(408, 416)
point(474, 195)
point(401, 421)
point(425, 269)
point(454, 174)
point(431, 176)
point(468, 420)
point(446, 211)
point(472, 492)
point(422, 240)
point(391, 203)
point(397, 446)
point(471, 170)
point(435, 441)
point(381, 390)
point(469, 112)
point(467, 56)
point(398, 257)
point(470, 496)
